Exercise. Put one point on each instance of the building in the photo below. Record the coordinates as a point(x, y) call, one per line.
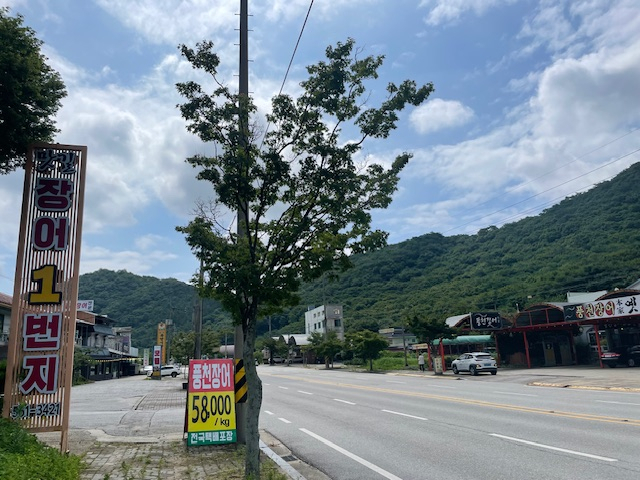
point(398, 338)
point(108, 347)
point(5, 322)
point(323, 319)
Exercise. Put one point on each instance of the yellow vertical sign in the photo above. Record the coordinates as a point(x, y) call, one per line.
point(162, 341)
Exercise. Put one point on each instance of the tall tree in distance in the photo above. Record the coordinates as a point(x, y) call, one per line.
point(367, 345)
point(30, 92)
point(308, 195)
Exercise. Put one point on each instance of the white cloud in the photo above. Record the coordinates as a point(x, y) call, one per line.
point(171, 22)
point(95, 258)
point(438, 114)
point(449, 11)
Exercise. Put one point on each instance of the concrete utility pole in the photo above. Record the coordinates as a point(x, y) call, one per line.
point(243, 208)
point(197, 321)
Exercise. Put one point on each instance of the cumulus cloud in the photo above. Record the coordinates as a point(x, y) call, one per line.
point(449, 11)
point(95, 258)
point(438, 114)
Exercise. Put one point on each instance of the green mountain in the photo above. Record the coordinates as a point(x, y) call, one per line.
point(585, 243)
point(142, 302)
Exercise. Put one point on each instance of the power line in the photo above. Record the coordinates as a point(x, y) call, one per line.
point(545, 191)
point(284, 80)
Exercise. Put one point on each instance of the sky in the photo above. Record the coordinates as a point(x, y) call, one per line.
point(534, 101)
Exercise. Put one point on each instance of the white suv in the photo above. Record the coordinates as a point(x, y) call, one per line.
point(474, 363)
point(166, 370)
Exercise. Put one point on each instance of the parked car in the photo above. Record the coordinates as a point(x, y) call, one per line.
point(474, 363)
point(167, 370)
point(629, 356)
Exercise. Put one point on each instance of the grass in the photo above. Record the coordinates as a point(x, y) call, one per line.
point(24, 457)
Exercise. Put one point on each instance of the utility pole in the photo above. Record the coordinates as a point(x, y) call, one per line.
point(197, 320)
point(243, 208)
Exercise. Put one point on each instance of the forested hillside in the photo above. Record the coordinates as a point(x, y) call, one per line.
point(587, 242)
point(143, 302)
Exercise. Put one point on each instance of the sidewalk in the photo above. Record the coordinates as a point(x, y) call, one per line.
point(575, 376)
point(152, 453)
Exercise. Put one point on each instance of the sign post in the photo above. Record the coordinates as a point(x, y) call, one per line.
point(211, 405)
point(45, 292)
point(156, 372)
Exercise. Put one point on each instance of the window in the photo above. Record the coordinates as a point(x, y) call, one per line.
point(337, 322)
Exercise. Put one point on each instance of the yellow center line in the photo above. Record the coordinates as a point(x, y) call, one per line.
point(538, 411)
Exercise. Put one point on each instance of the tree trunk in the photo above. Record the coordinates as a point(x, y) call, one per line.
point(254, 403)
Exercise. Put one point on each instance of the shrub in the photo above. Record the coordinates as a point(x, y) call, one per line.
point(395, 362)
point(24, 457)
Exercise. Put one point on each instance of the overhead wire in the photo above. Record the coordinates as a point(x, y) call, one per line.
point(284, 80)
point(547, 190)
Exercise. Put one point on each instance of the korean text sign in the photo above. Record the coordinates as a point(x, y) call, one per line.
point(43, 314)
point(211, 406)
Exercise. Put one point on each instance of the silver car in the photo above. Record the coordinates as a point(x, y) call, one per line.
point(474, 363)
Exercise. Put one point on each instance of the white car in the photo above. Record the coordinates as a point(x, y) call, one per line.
point(167, 370)
point(474, 363)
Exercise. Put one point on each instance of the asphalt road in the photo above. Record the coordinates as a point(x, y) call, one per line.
point(369, 426)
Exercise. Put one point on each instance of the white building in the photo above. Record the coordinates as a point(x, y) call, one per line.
point(323, 319)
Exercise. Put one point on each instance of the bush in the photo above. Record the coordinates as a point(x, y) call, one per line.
point(395, 361)
point(24, 457)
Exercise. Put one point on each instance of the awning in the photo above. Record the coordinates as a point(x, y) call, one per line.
point(102, 329)
point(465, 340)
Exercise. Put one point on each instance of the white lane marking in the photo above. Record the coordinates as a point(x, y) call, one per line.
point(518, 394)
point(618, 403)
point(344, 401)
point(442, 386)
point(391, 381)
point(284, 420)
point(352, 456)
point(284, 388)
point(405, 414)
point(306, 393)
point(268, 412)
point(557, 449)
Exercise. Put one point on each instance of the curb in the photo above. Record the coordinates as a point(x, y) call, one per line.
point(585, 387)
point(286, 468)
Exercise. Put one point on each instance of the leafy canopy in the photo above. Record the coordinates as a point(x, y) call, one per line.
point(367, 345)
point(327, 346)
point(30, 92)
point(305, 201)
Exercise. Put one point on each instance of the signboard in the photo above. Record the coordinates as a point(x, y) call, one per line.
point(156, 363)
point(45, 295)
point(85, 306)
point(610, 308)
point(211, 405)
point(161, 340)
point(485, 321)
point(145, 357)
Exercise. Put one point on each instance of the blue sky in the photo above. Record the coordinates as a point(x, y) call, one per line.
point(534, 101)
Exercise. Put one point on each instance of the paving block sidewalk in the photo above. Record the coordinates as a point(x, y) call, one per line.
point(164, 460)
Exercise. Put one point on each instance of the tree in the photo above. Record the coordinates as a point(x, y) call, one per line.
point(81, 363)
point(183, 344)
point(428, 329)
point(303, 200)
point(326, 346)
point(30, 92)
point(367, 345)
